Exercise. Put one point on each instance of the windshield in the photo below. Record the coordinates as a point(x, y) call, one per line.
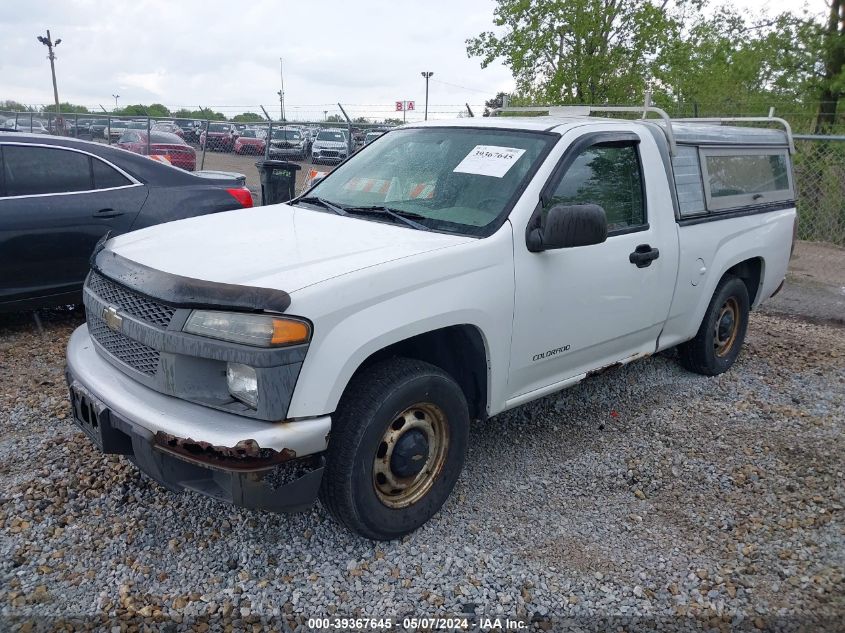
point(290, 135)
point(455, 179)
point(373, 136)
point(249, 134)
point(218, 127)
point(327, 135)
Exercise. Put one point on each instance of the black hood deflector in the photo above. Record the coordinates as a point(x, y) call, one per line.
point(185, 292)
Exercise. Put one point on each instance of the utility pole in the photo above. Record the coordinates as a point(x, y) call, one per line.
point(50, 44)
point(281, 92)
point(427, 75)
point(116, 97)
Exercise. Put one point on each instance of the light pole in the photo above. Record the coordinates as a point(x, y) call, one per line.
point(116, 97)
point(427, 75)
point(50, 44)
point(281, 92)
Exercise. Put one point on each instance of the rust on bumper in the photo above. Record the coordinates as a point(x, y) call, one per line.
point(246, 455)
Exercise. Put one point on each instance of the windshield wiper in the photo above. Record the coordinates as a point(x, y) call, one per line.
point(406, 217)
point(323, 203)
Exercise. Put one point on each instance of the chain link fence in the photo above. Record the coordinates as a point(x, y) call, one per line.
point(208, 144)
point(212, 144)
point(819, 168)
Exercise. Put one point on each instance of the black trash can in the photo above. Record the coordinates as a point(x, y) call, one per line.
point(278, 180)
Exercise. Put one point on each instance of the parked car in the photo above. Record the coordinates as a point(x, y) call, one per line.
point(190, 129)
point(170, 128)
point(98, 128)
point(80, 127)
point(288, 143)
point(115, 129)
point(177, 152)
point(221, 137)
point(443, 274)
point(329, 146)
point(25, 124)
point(250, 141)
point(371, 136)
point(59, 196)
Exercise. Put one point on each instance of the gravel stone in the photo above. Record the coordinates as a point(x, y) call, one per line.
point(739, 525)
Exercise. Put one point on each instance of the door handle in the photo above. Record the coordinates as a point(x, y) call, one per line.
point(107, 213)
point(643, 255)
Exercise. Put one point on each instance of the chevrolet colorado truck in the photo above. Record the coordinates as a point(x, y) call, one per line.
point(338, 346)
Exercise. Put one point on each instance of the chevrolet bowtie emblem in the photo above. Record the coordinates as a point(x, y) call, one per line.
point(112, 318)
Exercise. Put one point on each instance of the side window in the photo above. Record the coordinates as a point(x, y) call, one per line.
point(106, 177)
point(39, 170)
point(688, 184)
point(609, 175)
point(735, 178)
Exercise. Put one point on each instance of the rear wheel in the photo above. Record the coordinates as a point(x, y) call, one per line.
point(719, 340)
point(396, 449)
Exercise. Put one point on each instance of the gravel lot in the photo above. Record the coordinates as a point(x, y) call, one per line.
point(648, 497)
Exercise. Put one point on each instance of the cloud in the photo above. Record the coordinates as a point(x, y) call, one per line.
point(224, 55)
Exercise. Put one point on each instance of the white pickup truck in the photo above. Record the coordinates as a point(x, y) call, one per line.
point(339, 345)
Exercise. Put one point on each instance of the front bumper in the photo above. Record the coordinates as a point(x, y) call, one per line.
point(274, 466)
point(287, 151)
point(329, 154)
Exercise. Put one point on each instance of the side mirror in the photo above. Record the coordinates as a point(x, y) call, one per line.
point(566, 226)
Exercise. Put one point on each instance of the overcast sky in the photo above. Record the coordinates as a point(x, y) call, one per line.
point(367, 54)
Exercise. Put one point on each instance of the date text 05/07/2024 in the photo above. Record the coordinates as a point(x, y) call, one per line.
point(416, 623)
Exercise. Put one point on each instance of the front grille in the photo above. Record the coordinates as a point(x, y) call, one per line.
point(140, 357)
point(130, 302)
point(329, 152)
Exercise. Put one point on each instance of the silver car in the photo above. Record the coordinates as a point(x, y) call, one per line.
point(330, 146)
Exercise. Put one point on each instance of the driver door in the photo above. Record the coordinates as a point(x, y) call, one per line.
point(583, 308)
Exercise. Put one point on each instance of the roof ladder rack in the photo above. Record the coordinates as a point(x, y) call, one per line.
point(645, 110)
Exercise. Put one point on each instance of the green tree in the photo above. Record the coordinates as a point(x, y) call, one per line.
point(833, 60)
point(10, 105)
point(203, 113)
point(247, 117)
point(575, 51)
point(496, 102)
point(64, 106)
point(335, 118)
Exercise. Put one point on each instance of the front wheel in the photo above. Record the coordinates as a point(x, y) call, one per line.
point(719, 340)
point(397, 447)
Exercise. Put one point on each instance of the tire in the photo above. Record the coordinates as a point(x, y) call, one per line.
point(719, 340)
point(391, 400)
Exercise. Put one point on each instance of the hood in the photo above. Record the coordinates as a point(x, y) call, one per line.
point(278, 246)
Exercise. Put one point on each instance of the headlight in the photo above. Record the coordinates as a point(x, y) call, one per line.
point(260, 330)
point(242, 383)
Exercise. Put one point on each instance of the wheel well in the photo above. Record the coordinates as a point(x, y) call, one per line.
point(458, 350)
point(750, 271)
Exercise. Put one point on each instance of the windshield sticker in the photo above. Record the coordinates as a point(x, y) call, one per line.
point(489, 160)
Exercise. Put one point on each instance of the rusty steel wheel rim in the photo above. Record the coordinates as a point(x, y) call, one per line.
point(411, 455)
point(726, 328)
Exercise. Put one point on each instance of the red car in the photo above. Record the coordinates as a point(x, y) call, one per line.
point(177, 151)
point(249, 142)
point(221, 137)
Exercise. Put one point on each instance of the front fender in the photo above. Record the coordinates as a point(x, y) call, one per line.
point(358, 314)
